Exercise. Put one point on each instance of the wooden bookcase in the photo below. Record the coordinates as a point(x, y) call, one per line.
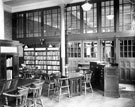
point(9, 59)
point(46, 59)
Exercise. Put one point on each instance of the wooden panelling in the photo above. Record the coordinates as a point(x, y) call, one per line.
point(127, 70)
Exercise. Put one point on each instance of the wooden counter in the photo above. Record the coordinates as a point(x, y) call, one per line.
point(111, 79)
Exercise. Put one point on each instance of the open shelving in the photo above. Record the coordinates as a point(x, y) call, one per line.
point(46, 59)
point(9, 59)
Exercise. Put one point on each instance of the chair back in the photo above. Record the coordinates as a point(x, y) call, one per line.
point(36, 89)
point(2, 85)
point(88, 76)
point(63, 82)
point(19, 100)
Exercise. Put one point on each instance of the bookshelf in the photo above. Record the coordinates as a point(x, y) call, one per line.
point(46, 59)
point(9, 59)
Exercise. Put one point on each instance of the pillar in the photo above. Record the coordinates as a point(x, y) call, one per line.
point(1, 19)
point(63, 39)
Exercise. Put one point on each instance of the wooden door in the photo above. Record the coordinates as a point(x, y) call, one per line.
point(127, 60)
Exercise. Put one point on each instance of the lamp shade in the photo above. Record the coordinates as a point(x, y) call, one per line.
point(86, 6)
point(110, 17)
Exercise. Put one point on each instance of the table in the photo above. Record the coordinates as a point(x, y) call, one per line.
point(75, 81)
point(11, 85)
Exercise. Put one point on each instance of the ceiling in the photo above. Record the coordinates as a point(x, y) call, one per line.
point(23, 5)
point(21, 2)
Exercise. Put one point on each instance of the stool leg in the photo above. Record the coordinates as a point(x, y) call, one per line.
point(59, 94)
point(41, 102)
point(85, 88)
point(91, 87)
point(69, 92)
point(48, 92)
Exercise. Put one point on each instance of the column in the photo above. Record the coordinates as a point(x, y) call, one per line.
point(1, 19)
point(63, 39)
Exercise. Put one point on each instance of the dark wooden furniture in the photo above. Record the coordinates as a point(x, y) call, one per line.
point(98, 75)
point(111, 79)
point(35, 94)
point(16, 100)
point(75, 81)
point(47, 59)
point(9, 59)
point(11, 85)
point(87, 82)
point(64, 87)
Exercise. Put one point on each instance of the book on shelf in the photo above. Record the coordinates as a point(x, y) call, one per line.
point(9, 62)
point(9, 74)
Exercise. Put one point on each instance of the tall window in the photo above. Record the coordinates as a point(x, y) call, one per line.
point(127, 48)
point(33, 24)
point(52, 22)
point(125, 11)
point(107, 9)
point(74, 49)
point(90, 49)
point(90, 20)
point(20, 26)
point(73, 19)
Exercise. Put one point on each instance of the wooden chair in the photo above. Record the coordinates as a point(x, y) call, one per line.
point(16, 100)
point(35, 94)
point(87, 82)
point(63, 86)
point(52, 83)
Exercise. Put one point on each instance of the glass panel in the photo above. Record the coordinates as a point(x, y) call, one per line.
point(107, 50)
point(74, 49)
point(20, 25)
point(73, 19)
point(107, 9)
point(37, 24)
point(90, 20)
point(29, 24)
point(125, 15)
point(52, 22)
point(90, 49)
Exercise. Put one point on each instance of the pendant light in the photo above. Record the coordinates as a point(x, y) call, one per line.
point(86, 6)
point(110, 16)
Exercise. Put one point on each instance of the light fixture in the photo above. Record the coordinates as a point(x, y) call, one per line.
point(25, 46)
point(110, 16)
point(86, 6)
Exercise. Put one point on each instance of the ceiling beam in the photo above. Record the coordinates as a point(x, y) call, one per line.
point(7, 0)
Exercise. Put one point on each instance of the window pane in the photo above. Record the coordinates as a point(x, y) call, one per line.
point(125, 15)
point(127, 49)
point(74, 49)
point(107, 9)
point(73, 19)
point(90, 20)
point(90, 49)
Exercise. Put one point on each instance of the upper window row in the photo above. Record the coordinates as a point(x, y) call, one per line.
point(47, 22)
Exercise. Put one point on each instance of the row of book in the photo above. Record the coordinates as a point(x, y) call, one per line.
point(41, 53)
point(29, 53)
point(9, 62)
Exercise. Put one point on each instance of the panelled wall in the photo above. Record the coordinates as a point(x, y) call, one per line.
point(90, 36)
